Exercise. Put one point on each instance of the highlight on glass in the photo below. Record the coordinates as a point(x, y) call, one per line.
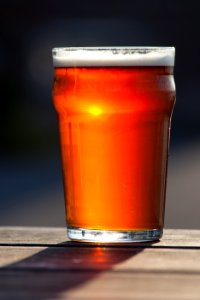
point(114, 107)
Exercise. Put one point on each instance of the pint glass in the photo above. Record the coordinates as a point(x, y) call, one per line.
point(114, 107)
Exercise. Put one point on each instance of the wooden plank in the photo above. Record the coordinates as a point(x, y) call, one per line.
point(32, 235)
point(137, 286)
point(180, 238)
point(57, 236)
point(29, 269)
point(116, 259)
point(107, 285)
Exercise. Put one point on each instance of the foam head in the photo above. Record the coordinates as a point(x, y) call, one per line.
point(113, 56)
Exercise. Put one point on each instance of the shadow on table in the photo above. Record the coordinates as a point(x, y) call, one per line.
point(51, 273)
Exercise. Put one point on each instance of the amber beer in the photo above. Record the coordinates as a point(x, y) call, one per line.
point(114, 109)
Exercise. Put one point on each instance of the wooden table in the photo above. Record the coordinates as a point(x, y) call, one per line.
point(40, 263)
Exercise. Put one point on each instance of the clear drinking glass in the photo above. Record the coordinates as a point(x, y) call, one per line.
point(114, 107)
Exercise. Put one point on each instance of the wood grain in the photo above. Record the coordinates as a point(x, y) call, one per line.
point(40, 263)
point(53, 236)
point(117, 259)
point(106, 285)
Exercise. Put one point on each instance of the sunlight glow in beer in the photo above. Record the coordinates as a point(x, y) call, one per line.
point(95, 110)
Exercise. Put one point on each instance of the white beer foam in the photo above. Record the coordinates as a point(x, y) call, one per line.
point(113, 56)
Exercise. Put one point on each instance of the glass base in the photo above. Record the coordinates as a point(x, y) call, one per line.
point(113, 236)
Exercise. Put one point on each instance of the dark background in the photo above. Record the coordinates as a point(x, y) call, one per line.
point(30, 169)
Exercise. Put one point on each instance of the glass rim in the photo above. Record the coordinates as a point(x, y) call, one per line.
point(113, 56)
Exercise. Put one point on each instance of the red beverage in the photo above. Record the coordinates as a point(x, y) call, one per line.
point(114, 126)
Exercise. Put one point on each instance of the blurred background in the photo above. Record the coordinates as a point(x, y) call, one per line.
point(30, 168)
